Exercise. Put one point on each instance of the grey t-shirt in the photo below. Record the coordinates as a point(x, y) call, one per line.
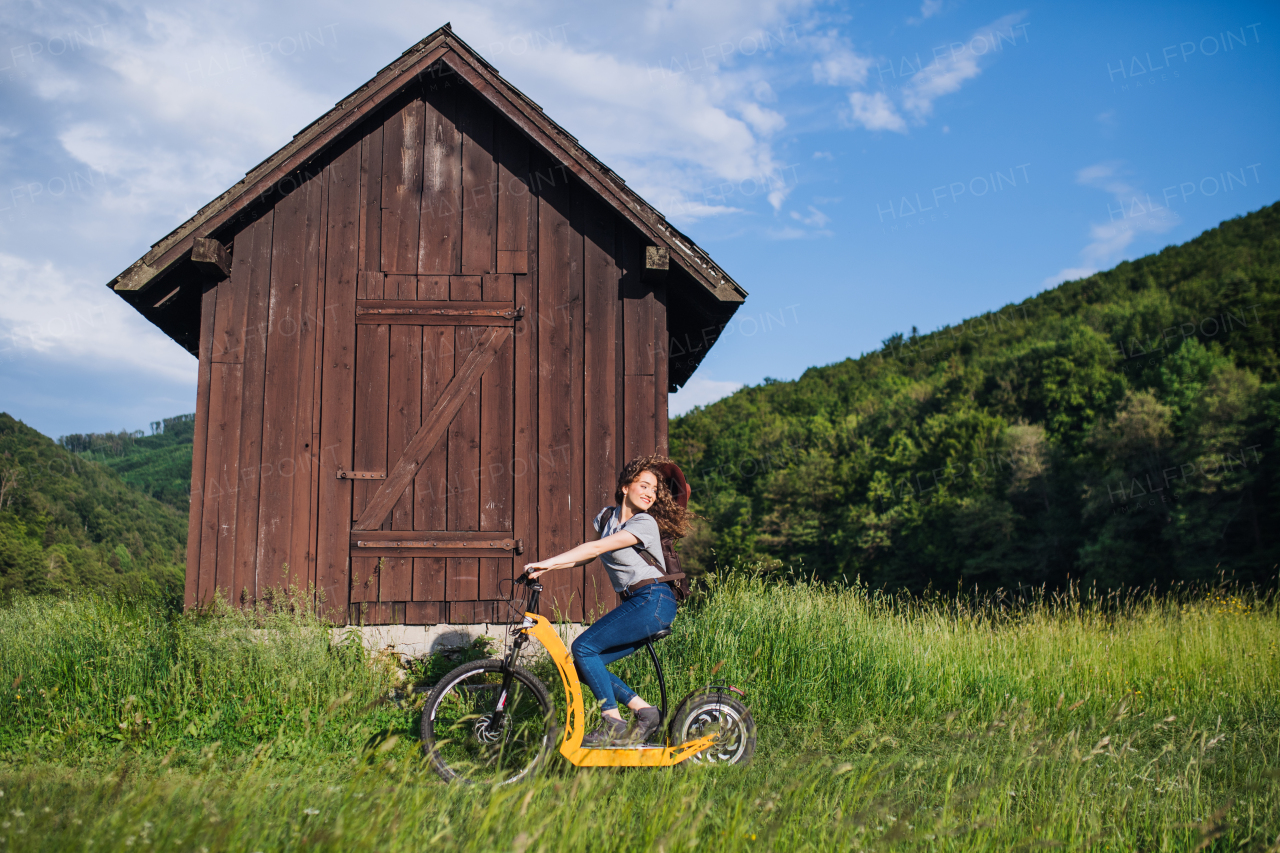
point(624, 565)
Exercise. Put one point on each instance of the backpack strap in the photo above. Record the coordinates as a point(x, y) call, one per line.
point(648, 558)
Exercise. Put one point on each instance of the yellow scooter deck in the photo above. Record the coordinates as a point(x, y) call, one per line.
point(574, 727)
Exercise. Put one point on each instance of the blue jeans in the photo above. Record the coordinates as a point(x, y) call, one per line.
point(621, 632)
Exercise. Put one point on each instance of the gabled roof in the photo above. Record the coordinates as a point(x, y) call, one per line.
point(314, 141)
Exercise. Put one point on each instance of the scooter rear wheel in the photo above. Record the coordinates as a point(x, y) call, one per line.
point(715, 710)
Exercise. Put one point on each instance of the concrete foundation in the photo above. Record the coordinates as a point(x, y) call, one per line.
point(416, 641)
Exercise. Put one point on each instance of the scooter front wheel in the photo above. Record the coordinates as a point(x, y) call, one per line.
point(474, 731)
point(715, 711)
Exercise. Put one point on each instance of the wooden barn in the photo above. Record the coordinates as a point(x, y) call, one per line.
point(430, 329)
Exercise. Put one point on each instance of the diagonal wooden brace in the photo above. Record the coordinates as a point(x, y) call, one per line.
point(375, 512)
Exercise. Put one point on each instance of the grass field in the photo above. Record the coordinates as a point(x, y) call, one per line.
point(1074, 722)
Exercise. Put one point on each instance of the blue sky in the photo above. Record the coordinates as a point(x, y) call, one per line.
point(859, 169)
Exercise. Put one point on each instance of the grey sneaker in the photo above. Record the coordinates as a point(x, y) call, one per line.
point(609, 732)
point(646, 723)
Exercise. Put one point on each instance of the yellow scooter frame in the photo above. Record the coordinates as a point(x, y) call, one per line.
point(571, 747)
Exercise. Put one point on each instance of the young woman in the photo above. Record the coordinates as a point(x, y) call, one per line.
point(646, 511)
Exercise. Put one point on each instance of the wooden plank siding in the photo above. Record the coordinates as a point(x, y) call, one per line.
point(659, 343)
point(306, 495)
point(430, 485)
point(436, 198)
point(524, 471)
point(370, 441)
point(639, 390)
point(440, 241)
point(404, 416)
point(497, 439)
point(462, 574)
point(344, 231)
point(600, 389)
point(199, 448)
point(248, 484)
point(401, 197)
point(404, 142)
point(283, 391)
point(557, 359)
point(514, 200)
point(476, 121)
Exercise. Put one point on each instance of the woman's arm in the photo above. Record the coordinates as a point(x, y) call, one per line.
point(583, 554)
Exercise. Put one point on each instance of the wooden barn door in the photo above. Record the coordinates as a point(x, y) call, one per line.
point(428, 422)
point(434, 467)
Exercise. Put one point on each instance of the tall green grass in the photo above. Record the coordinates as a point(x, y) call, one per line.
point(943, 724)
point(89, 678)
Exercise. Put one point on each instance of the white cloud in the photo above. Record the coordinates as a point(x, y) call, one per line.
point(47, 315)
point(839, 64)
point(699, 392)
point(764, 121)
point(1130, 214)
point(875, 112)
point(1067, 274)
point(927, 10)
point(816, 218)
point(786, 232)
point(763, 92)
point(209, 95)
point(947, 73)
point(678, 135)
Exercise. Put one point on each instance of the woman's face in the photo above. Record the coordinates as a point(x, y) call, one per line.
point(643, 492)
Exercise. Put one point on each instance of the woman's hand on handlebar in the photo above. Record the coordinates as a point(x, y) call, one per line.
point(533, 571)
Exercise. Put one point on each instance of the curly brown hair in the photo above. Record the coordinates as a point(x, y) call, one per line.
point(673, 519)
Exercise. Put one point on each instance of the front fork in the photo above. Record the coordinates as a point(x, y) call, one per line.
point(495, 722)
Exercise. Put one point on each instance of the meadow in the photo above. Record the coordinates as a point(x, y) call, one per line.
point(1075, 721)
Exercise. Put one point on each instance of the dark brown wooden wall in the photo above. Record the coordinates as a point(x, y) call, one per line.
point(437, 200)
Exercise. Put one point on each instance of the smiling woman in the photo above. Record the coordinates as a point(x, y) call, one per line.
point(628, 540)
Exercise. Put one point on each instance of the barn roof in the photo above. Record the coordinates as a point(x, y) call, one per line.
point(166, 268)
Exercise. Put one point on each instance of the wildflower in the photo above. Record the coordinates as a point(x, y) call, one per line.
point(311, 811)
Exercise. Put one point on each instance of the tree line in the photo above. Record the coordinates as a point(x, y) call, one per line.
point(1119, 429)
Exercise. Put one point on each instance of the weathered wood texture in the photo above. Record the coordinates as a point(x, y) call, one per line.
point(200, 448)
point(372, 323)
point(600, 388)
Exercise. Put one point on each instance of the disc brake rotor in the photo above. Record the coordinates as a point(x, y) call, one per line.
point(485, 731)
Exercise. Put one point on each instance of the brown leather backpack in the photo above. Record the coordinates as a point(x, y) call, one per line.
point(673, 574)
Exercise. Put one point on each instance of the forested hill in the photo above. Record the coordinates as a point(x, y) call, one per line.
point(1118, 429)
point(158, 464)
point(69, 523)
